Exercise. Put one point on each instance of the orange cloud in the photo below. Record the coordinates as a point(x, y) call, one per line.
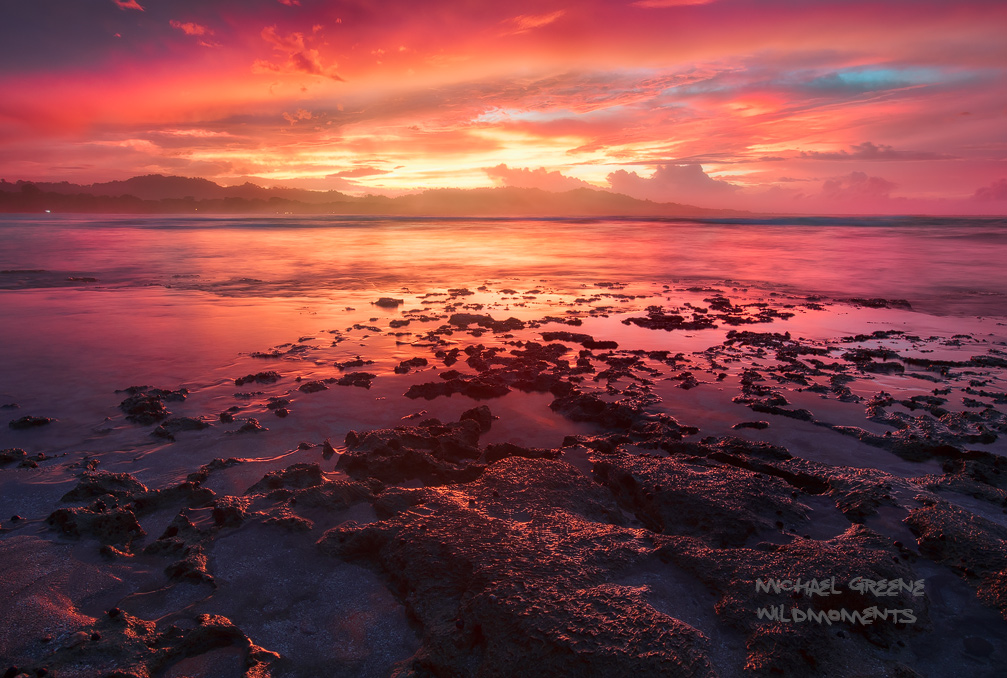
point(301, 114)
point(128, 4)
point(527, 22)
point(190, 28)
point(538, 178)
point(300, 58)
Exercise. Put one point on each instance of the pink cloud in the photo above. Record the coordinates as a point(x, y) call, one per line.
point(290, 3)
point(521, 177)
point(673, 183)
point(857, 186)
point(527, 22)
point(301, 114)
point(997, 191)
point(661, 4)
point(128, 4)
point(300, 58)
point(190, 28)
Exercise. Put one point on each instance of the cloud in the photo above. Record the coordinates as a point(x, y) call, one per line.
point(997, 191)
point(661, 4)
point(301, 114)
point(290, 3)
point(870, 151)
point(360, 172)
point(128, 4)
point(190, 28)
point(857, 186)
point(527, 22)
point(520, 177)
point(300, 58)
point(673, 183)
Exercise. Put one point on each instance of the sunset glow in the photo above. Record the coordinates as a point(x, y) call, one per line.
point(835, 106)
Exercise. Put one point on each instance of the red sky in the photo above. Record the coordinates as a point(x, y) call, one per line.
point(784, 105)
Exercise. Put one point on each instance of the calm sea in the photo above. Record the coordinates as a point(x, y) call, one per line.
point(942, 265)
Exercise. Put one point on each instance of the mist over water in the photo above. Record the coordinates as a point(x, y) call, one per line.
point(948, 266)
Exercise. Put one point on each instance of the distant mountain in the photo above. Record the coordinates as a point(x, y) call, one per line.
point(158, 194)
point(160, 187)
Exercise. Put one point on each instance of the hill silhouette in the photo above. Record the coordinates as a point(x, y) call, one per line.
point(159, 194)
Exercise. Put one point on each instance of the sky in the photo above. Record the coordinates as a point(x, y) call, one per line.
point(809, 106)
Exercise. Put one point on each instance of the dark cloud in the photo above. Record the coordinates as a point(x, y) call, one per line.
point(870, 151)
point(128, 4)
point(997, 191)
point(857, 186)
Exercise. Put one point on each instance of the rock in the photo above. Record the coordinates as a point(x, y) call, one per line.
point(296, 476)
point(230, 511)
point(804, 649)
point(432, 452)
point(313, 387)
point(11, 455)
point(191, 568)
point(144, 409)
point(719, 503)
point(524, 593)
point(361, 379)
point(497, 451)
point(102, 483)
point(29, 421)
point(116, 526)
point(481, 415)
point(128, 646)
point(463, 320)
point(251, 425)
point(388, 302)
point(586, 340)
point(269, 377)
point(589, 407)
point(406, 365)
point(356, 362)
point(758, 425)
point(972, 546)
point(173, 425)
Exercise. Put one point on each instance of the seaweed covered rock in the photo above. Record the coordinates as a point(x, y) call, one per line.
point(758, 597)
point(720, 503)
point(970, 545)
point(431, 451)
point(121, 645)
point(111, 526)
point(512, 575)
point(296, 476)
point(145, 405)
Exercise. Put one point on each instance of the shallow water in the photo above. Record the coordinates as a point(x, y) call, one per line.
point(948, 266)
